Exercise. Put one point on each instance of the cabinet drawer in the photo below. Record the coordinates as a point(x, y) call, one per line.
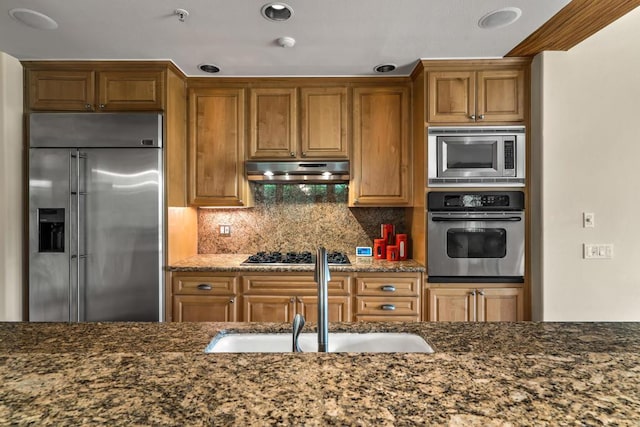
point(205, 285)
point(388, 286)
point(397, 306)
point(293, 284)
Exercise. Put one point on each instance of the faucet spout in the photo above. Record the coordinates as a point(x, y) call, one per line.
point(322, 277)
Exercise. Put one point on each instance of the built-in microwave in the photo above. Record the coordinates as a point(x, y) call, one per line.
point(476, 156)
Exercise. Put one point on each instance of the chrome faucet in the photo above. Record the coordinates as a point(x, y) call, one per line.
point(322, 278)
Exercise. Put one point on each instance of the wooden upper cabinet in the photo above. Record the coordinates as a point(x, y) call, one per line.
point(90, 90)
point(216, 148)
point(501, 95)
point(61, 90)
point(476, 96)
point(324, 123)
point(273, 123)
point(381, 170)
point(126, 90)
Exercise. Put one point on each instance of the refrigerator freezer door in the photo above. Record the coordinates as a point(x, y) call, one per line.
point(50, 246)
point(121, 234)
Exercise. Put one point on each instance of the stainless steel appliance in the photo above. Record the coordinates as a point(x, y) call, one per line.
point(318, 172)
point(95, 217)
point(287, 258)
point(476, 236)
point(476, 156)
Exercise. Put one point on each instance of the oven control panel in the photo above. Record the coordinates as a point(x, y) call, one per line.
point(480, 200)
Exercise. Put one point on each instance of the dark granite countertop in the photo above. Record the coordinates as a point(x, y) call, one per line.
point(232, 263)
point(481, 374)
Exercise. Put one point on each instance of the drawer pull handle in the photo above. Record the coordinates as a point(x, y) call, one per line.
point(388, 288)
point(388, 307)
point(204, 287)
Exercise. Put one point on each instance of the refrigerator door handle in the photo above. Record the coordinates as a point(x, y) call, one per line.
point(75, 180)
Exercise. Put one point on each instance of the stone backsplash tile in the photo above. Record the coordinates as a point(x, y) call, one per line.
point(294, 217)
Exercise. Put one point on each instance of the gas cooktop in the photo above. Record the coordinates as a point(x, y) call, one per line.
point(274, 258)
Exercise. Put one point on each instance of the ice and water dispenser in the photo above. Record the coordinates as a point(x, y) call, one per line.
point(51, 230)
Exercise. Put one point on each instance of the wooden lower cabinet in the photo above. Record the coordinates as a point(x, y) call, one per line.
point(388, 297)
point(279, 297)
point(196, 308)
point(475, 304)
point(204, 297)
point(265, 308)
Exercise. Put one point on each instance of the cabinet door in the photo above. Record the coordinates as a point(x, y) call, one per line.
point(452, 305)
point(500, 96)
point(130, 90)
point(262, 308)
point(273, 123)
point(500, 304)
point(216, 148)
point(61, 90)
point(381, 173)
point(451, 96)
point(324, 123)
point(193, 308)
point(339, 308)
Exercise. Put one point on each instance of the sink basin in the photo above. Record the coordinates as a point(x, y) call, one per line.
point(372, 342)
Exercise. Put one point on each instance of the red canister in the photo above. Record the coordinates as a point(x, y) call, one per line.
point(392, 253)
point(379, 248)
point(401, 243)
point(387, 231)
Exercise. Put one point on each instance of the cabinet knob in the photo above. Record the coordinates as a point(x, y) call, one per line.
point(481, 117)
point(355, 201)
point(304, 154)
point(292, 154)
point(204, 287)
point(472, 117)
point(232, 300)
point(102, 106)
point(292, 299)
point(87, 106)
point(481, 292)
point(388, 288)
point(473, 293)
point(388, 307)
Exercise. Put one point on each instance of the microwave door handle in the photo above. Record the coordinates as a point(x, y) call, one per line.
point(467, 219)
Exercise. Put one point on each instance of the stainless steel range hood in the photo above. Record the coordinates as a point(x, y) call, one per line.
point(315, 172)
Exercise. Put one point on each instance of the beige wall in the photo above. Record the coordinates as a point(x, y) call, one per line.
point(10, 188)
point(586, 123)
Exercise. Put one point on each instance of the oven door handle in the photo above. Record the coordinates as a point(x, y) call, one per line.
point(467, 219)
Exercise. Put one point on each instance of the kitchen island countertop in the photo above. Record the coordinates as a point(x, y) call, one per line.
point(481, 374)
point(233, 263)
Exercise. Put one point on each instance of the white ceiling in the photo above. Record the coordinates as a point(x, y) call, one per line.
point(333, 37)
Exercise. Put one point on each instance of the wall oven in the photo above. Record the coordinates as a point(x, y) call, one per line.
point(476, 236)
point(476, 156)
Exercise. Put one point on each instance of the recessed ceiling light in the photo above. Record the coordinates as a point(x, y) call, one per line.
point(384, 68)
point(500, 18)
point(209, 68)
point(276, 11)
point(33, 19)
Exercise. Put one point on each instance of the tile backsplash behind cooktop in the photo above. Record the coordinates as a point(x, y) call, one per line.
point(295, 217)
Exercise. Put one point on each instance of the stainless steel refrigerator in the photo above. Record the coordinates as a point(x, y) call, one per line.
point(95, 217)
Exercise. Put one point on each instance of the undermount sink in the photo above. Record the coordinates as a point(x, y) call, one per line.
point(348, 342)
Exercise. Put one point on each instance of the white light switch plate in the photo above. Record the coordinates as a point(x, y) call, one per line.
point(598, 251)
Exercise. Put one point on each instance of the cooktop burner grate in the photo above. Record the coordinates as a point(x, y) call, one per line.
point(336, 258)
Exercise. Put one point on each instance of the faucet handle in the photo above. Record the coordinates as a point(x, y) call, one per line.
point(298, 324)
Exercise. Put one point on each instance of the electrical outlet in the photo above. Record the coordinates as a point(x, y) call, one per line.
point(588, 219)
point(598, 251)
point(225, 230)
